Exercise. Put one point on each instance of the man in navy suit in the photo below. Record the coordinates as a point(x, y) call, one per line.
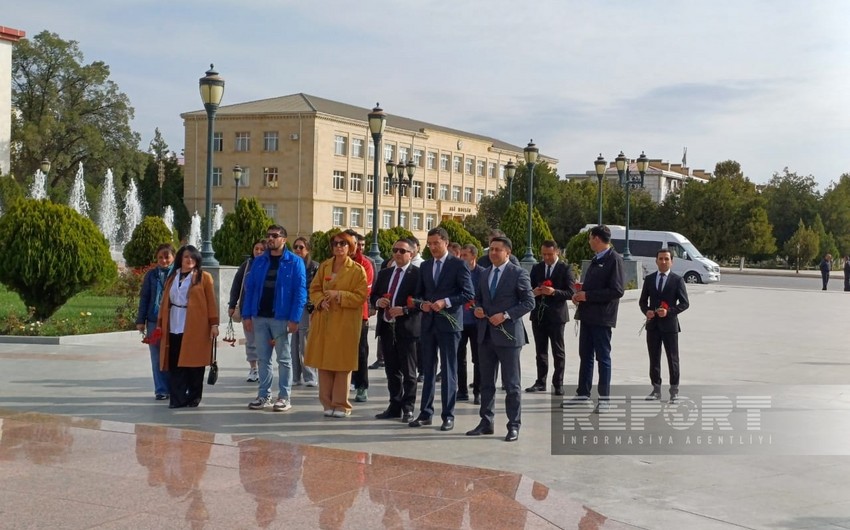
point(662, 299)
point(552, 283)
point(468, 254)
point(398, 329)
point(503, 294)
point(598, 303)
point(444, 286)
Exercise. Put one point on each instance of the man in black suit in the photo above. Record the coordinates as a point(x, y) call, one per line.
point(398, 329)
point(552, 283)
point(662, 298)
point(468, 254)
point(503, 294)
point(444, 286)
point(484, 260)
point(598, 303)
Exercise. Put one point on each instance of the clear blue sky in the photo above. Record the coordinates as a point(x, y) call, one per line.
point(761, 82)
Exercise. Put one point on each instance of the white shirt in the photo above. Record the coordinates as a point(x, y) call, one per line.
point(178, 295)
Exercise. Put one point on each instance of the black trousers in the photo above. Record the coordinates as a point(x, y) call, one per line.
point(654, 341)
point(490, 357)
point(544, 335)
point(360, 378)
point(185, 384)
point(468, 335)
point(400, 365)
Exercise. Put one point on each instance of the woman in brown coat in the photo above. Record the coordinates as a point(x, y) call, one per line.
point(337, 291)
point(188, 318)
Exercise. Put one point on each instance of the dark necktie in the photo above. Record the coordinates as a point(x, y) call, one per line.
point(393, 286)
point(661, 278)
point(494, 283)
point(438, 266)
point(548, 271)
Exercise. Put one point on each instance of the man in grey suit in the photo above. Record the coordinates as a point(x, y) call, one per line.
point(503, 295)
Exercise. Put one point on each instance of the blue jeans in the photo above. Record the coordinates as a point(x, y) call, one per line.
point(594, 339)
point(299, 342)
point(160, 378)
point(266, 329)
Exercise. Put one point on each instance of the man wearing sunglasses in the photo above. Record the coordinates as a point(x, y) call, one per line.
point(275, 295)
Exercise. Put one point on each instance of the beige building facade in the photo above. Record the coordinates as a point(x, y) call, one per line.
point(309, 162)
point(8, 37)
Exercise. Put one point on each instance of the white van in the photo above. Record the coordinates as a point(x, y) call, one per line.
point(688, 262)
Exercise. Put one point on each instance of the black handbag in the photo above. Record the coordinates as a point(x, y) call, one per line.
point(213, 377)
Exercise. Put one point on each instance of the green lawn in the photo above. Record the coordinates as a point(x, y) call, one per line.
point(84, 313)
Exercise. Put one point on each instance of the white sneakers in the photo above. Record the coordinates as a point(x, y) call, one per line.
point(253, 376)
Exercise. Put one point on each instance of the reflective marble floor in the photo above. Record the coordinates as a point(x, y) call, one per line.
point(69, 473)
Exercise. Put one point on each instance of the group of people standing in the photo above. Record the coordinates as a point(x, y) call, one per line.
point(314, 317)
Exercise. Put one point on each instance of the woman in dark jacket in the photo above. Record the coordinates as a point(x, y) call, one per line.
point(234, 306)
point(150, 298)
point(302, 373)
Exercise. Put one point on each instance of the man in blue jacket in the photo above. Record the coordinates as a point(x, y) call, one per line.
point(275, 294)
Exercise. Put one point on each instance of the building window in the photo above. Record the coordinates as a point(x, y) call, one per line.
point(402, 154)
point(430, 221)
point(386, 219)
point(271, 141)
point(243, 141)
point(417, 221)
point(444, 162)
point(467, 194)
point(491, 170)
point(469, 163)
point(501, 172)
point(370, 183)
point(479, 194)
point(458, 160)
point(389, 152)
point(444, 192)
point(270, 177)
point(371, 149)
point(369, 217)
point(357, 147)
point(480, 167)
point(432, 160)
point(417, 157)
point(456, 193)
point(218, 141)
point(339, 145)
point(356, 216)
point(216, 176)
point(388, 186)
point(403, 220)
point(339, 180)
point(491, 193)
point(245, 181)
point(417, 189)
point(338, 215)
point(430, 191)
point(271, 211)
point(355, 182)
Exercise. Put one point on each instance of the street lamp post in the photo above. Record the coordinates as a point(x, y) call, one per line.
point(377, 123)
point(45, 166)
point(160, 176)
point(401, 182)
point(530, 153)
point(600, 164)
point(212, 90)
point(630, 182)
point(237, 176)
point(510, 171)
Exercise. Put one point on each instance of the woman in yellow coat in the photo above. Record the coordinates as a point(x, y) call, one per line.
point(338, 292)
point(188, 318)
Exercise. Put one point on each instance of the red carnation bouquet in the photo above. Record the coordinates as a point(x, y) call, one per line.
point(542, 307)
point(229, 334)
point(664, 305)
point(472, 306)
point(154, 337)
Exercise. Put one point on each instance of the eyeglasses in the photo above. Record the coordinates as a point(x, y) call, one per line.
point(400, 251)
point(299, 247)
point(274, 236)
point(339, 244)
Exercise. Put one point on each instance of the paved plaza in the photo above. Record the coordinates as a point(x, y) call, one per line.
point(82, 434)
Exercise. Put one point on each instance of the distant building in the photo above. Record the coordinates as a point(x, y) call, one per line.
point(661, 177)
point(309, 162)
point(8, 37)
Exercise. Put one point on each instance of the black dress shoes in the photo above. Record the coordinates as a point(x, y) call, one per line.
point(388, 415)
point(447, 425)
point(476, 400)
point(536, 387)
point(420, 421)
point(559, 391)
point(512, 436)
point(376, 365)
point(463, 397)
point(407, 417)
point(483, 428)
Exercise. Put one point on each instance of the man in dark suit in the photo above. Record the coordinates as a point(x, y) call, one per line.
point(484, 260)
point(598, 303)
point(468, 254)
point(552, 283)
point(444, 286)
point(662, 298)
point(503, 294)
point(398, 329)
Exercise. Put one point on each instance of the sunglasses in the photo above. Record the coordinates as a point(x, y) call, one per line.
point(274, 236)
point(339, 244)
point(400, 251)
point(299, 247)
